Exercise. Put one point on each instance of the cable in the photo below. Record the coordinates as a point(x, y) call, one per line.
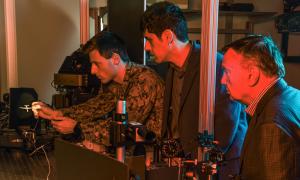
point(46, 156)
point(49, 167)
point(41, 147)
point(4, 121)
point(36, 124)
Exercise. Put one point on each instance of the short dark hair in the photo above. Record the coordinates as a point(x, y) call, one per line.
point(263, 50)
point(107, 43)
point(164, 15)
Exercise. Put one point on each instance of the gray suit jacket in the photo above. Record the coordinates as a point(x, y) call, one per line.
point(271, 149)
point(230, 120)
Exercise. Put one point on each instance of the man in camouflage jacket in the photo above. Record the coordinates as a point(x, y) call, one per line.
point(144, 103)
point(121, 79)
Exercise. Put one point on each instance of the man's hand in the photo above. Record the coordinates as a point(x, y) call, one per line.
point(44, 111)
point(63, 124)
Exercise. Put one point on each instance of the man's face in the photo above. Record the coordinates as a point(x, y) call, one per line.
point(235, 75)
point(156, 46)
point(103, 68)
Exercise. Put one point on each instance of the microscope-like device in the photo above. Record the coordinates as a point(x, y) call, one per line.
point(74, 82)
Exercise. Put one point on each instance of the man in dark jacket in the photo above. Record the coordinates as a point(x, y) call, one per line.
point(165, 31)
point(253, 75)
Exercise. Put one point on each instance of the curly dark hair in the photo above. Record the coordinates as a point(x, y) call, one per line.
point(164, 15)
point(107, 43)
point(263, 51)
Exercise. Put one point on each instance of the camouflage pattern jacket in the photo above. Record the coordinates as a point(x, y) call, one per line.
point(143, 90)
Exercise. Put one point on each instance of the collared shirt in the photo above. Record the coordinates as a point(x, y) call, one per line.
point(252, 106)
point(143, 90)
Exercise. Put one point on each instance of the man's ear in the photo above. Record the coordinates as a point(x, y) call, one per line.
point(254, 75)
point(115, 58)
point(168, 36)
